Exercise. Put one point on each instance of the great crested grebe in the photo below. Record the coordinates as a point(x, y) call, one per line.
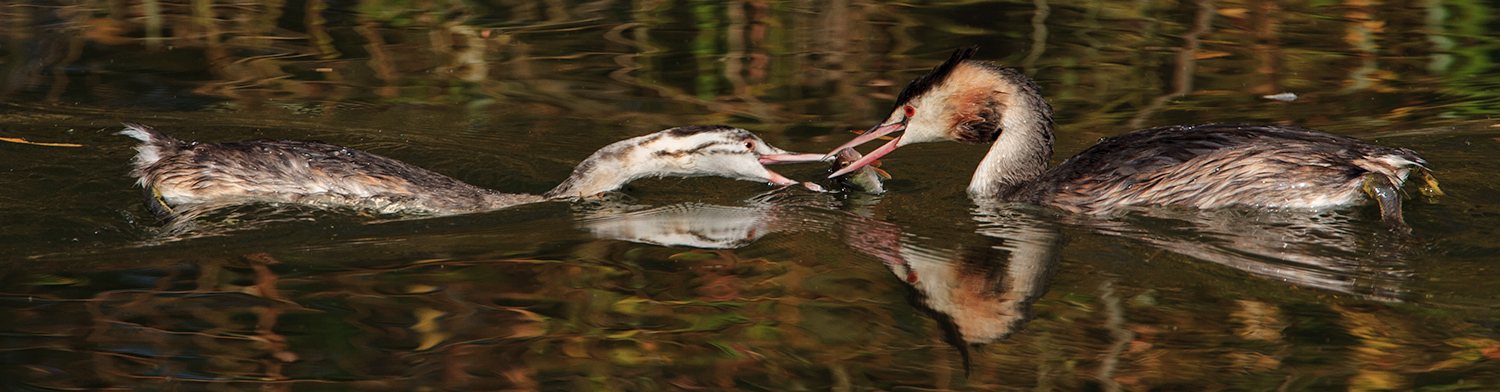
point(1203, 166)
point(174, 172)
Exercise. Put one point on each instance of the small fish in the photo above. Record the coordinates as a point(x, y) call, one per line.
point(1283, 97)
point(867, 179)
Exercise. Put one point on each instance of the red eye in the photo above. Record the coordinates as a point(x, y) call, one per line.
point(749, 144)
point(910, 111)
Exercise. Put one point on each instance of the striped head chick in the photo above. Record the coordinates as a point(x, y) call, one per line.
point(688, 151)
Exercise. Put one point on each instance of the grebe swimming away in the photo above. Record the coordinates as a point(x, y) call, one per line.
point(174, 172)
point(1203, 166)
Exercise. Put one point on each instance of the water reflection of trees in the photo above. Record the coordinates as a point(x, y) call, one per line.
point(832, 64)
point(782, 303)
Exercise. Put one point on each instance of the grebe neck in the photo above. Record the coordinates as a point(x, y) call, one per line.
point(606, 170)
point(1020, 153)
point(587, 183)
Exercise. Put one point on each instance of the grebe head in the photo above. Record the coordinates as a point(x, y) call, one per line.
point(689, 151)
point(959, 100)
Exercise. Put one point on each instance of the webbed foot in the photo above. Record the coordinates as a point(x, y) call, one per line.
point(1429, 183)
point(156, 204)
point(1385, 193)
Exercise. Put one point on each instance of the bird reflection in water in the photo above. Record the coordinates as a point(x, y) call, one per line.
point(981, 288)
point(981, 291)
point(709, 226)
point(1331, 250)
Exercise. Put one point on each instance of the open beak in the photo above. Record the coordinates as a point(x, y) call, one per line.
point(789, 158)
point(777, 159)
point(874, 133)
point(781, 180)
point(778, 179)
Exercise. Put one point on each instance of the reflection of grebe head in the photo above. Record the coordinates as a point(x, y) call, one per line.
point(971, 292)
point(984, 293)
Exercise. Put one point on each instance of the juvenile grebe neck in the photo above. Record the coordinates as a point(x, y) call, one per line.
point(173, 172)
point(1203, 166)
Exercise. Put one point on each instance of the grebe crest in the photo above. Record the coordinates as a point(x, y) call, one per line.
point(173, 172)
point(1202, 166)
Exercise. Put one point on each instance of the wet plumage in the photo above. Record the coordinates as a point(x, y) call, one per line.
point(175, 172)
point(1218, 165)
point(1202, 166)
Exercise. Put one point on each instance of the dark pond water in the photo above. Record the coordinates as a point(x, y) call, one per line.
point(714, 284)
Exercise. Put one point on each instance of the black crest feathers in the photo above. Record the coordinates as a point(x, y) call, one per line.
point(934, 77)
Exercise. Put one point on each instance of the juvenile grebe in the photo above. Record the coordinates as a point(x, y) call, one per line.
point(1203, 166)
point(173, 172)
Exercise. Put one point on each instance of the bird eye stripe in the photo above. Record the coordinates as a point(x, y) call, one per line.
point(704, 148)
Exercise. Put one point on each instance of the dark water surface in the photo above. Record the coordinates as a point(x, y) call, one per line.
point(714, 284)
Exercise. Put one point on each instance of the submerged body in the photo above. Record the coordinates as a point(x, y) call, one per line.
point(298, 172)
point(1218, 165)
point(1200, 166)
point(174, 172)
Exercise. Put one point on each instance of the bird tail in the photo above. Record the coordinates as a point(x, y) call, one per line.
point(153, 143)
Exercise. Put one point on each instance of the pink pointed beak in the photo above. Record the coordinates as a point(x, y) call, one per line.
point(874, 133)
point(789, 158)
point(778, 179)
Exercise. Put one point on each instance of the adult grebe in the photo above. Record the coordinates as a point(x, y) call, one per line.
point(1203, 166)
point(173, 172)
